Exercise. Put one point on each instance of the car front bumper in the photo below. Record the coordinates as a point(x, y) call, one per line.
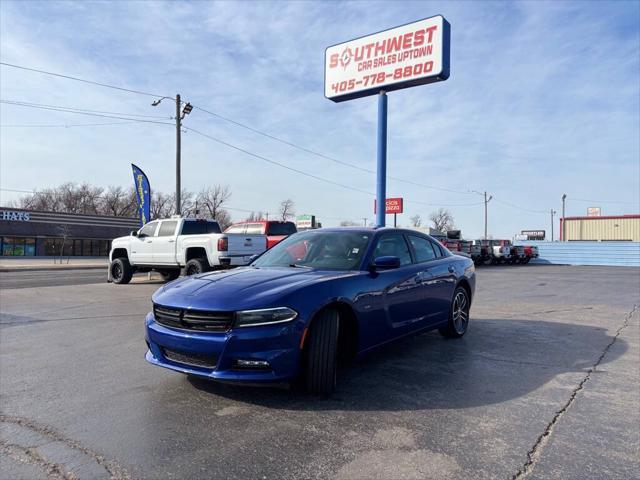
point(214, 355)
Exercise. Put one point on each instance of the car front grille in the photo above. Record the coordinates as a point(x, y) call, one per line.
point(195, 359)
point(198, 320)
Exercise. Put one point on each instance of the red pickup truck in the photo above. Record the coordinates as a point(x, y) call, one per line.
point(273, 229)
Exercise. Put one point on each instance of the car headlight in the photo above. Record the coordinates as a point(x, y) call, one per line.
point(264, 316)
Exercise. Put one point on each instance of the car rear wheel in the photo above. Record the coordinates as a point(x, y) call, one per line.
point(322, 354)
point(121, 271)
point(169, 275)
point(196, 265)
point(459, 316)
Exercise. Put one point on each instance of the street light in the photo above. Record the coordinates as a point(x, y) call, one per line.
point(186, 110)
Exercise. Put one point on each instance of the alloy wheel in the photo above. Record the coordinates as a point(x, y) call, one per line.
point(460, 312)
point(116, 271)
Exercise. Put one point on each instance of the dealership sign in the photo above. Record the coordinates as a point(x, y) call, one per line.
point(534, 234)
point(305, 221)
point(393, 205)
point(401, 57)
point(594, 212)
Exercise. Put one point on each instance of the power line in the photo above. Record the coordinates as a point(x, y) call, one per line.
point(273, 162)
point(66, 110)
point(91, 82)
point(62, 125)
point(75, 109)
point(301, 172)
point(520, 208)
point(322, 155)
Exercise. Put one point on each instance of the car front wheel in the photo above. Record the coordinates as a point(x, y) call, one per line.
point(121, 271)
point(322, 358)
point(459, 316)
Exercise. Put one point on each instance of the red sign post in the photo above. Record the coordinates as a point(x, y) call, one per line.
point(392, 206)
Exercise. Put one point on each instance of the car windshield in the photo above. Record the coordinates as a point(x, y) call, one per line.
point(341, 250)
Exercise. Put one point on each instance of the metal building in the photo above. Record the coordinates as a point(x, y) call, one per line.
point(617, 228)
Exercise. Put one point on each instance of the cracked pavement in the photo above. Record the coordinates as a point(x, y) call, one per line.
point(545, 385)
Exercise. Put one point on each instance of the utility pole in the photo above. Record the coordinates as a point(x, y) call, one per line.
point(180, 114)
point(486, 201)
point(553, 212)
point(365, 221)
point(563, 232)
point(178, 153)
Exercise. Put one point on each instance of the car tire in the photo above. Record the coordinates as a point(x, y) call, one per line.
point(120, 271)
point(169, 275)
point(195, 266)
point(322, 354)
point(458, 323)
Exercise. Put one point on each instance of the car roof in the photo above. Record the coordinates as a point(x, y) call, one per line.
point(374, 230)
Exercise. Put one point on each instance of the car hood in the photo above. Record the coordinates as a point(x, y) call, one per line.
point(241, 288)
point(119, 240)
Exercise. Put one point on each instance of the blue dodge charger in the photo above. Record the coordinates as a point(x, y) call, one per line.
point(312, 301)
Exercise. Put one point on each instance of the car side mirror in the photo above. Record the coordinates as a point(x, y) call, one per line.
point(386, 263)
point(134, 233)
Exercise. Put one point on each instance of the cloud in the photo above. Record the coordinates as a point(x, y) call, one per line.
point(543, 100)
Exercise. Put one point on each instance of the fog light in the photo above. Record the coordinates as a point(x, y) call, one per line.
point(252, 363)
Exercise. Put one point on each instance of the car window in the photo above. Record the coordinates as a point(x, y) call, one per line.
point(199, 227)
point(254, 229)
point(394, 246)
point(148, 230)
point(236, 228)
point(423, 249)
point(281, 228)
point(317, 249)
point(167, 228)
point(438, 249)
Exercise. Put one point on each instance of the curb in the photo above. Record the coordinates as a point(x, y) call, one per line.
point(44, 268)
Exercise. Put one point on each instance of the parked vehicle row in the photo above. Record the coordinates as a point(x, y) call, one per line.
point(494, 252)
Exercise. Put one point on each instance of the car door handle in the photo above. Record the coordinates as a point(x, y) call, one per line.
point(148, 241)
point(171, 241)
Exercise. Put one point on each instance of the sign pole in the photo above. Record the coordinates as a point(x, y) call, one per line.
point(395, 217)
point(381, 190)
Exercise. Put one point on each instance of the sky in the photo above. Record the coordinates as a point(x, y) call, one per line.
point(543, 100)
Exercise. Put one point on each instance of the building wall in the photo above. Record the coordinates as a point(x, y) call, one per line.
point(29, 233)
point(623, 228)
point(587, 253)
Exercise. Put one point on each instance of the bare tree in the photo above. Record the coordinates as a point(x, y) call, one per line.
point(118, 202)
point(186, 202)
point(416, 220)
point(255, 216)
point(442, 220)
point(224, 219)
point(212, 199)
point(287, 209)
point(162, 205)
point(63, 231)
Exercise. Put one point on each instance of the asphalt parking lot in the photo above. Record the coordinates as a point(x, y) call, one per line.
point(545, 385)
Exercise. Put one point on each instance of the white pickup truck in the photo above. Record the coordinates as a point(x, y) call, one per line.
point(168, 245)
